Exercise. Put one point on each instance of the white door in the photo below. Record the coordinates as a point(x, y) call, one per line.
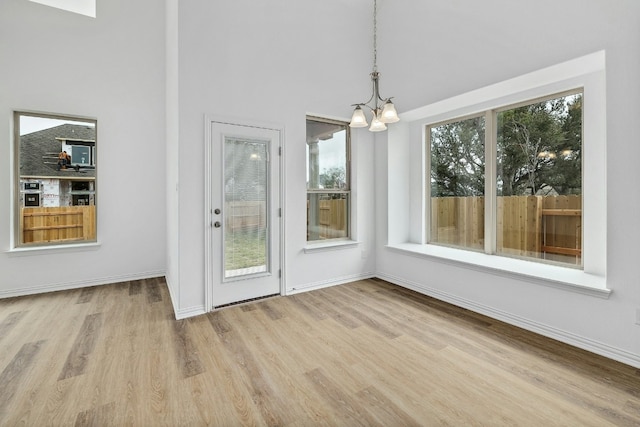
point(244, 212)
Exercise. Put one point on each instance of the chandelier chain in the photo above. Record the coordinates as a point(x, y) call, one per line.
point(375, 36)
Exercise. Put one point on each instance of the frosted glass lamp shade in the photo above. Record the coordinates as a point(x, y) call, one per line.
point(389, 114)
point(377, 125)
point(358, 119)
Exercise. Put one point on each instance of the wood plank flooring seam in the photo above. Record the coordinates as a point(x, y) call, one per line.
point(83, 347)
point(17, 369)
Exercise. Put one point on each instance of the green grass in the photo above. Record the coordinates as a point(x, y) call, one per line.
point(245, 248)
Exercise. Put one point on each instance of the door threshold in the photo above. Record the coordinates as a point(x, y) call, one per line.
point(246, 301)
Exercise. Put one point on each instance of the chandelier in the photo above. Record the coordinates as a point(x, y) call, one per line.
point(382, 109)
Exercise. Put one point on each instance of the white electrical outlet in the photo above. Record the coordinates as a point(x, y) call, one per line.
point(637, 316)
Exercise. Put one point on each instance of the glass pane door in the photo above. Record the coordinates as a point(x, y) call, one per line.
point(246, 207)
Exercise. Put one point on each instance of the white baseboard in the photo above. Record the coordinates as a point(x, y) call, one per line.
point(182, 313)
point(174, 298)
point(53, 287)
point(539, 328)
point(327, 283)
point(189, 312)
point(198, 310)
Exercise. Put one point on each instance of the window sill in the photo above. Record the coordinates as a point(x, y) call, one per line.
point(570, 279)
point(40, 250)
point(330, 245)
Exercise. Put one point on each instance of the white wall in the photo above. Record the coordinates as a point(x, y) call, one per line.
point(107, 68)
point(443, 49)
point(271, 62)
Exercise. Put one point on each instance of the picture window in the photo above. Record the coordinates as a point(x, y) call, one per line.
point(55, 179)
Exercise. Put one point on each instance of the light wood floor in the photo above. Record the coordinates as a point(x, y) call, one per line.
point(366, 353)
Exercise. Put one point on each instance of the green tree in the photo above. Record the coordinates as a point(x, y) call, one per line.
point(538, 151)
point(566, 174)
point(333, 178)
point(457, 158)
point(539, 147)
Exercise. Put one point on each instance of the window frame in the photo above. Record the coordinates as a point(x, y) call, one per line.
point(427, 173)
point(348, 184)
point(17, 245)
point(491, 174)
point(91, 150)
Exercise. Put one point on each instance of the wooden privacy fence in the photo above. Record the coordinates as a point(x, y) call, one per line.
point(329, 221)
point(458, 221)
point(57, 224)
point(249, 215)
point(245, 215)
point(532, 226)
point(333, 218)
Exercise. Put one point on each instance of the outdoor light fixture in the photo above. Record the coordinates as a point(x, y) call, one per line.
point(382, 109)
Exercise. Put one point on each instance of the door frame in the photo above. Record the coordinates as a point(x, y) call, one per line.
point(209, 120)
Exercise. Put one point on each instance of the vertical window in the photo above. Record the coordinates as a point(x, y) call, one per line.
point(328, 183)
point(55, 179)
point(246, 190)
point(81, 154)
point(535, 153)
point(539, 180)
point(457, 183)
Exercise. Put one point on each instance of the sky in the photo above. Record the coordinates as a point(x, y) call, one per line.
point(332, 153)
point(84, 7)
point(29, 124)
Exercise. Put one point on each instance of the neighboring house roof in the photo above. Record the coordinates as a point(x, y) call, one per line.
point(39, 151)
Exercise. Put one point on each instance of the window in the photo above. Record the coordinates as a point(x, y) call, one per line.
point(55, 180)
point(83, 7)
point(328, 183)
point(508, 181)
point(457, 183)
point(81, 154)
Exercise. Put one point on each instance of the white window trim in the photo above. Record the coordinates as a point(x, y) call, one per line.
point(587, 72)
point(313, 246)
point(490, 172)
point(15, 246)
point(54, 249)
point(543, 274)
point(329, 245)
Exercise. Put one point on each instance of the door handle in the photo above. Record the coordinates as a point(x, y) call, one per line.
point(216, 224)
